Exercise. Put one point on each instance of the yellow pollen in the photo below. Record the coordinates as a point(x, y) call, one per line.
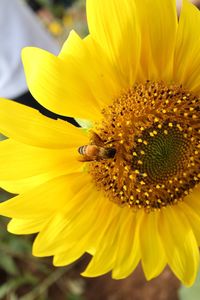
point(148, 147)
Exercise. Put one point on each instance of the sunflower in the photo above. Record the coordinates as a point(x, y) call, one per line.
point(126, 189)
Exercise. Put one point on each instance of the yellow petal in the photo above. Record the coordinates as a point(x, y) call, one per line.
point(103, 259)
point(193, 199)
point(44, 200)
point(158, 22)
point(75, 239)
point(29, 226)
point(59, 86)
point(28, 126)
point(187, 55)
point(19, 186)
point(18, 161)
point(193, 218)
point(114, 25)
point(180, 244)
point(152, 252)
point(55, 237)
point(68, 257)
point(128, 252)
point(94, 65)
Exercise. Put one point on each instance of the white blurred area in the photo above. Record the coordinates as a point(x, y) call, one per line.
point(19, 27)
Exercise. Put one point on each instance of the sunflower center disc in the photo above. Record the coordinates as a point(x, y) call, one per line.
point(155, 130)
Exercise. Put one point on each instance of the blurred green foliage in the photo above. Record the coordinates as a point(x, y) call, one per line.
point(192, 293)
point(24, 277)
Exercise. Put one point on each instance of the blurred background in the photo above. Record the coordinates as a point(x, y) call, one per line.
point(23, 276)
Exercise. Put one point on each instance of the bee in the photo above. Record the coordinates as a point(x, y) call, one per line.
point(97, 150)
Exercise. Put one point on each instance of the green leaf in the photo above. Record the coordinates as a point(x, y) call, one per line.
point(7, 263)
point(74, 297)
point(12, 285)
point(84, 123)
point(19, 245)
point(192, 293)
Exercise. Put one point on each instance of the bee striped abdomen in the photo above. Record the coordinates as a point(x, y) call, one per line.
point(82, 150)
